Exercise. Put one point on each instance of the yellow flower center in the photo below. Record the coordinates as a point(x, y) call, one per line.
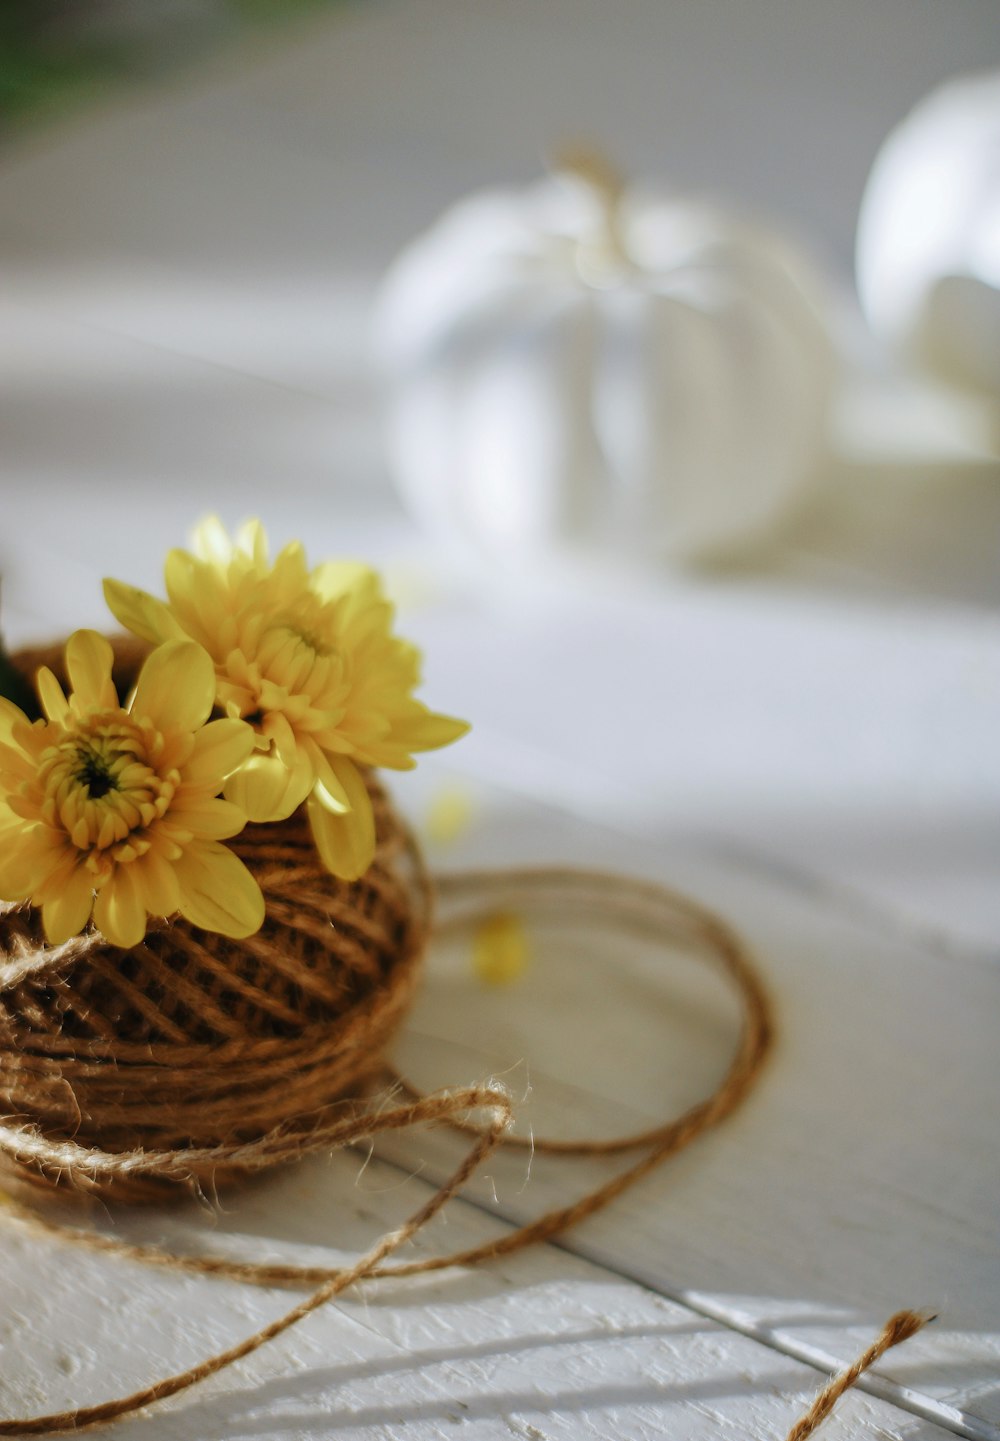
point(290, 667)
point(102, 787)
point(95, 774)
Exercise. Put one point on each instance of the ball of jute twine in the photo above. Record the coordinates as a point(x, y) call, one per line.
point(191, 1059)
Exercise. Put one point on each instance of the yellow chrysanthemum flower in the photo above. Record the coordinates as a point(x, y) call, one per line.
point(116, 812)
point(309, 659)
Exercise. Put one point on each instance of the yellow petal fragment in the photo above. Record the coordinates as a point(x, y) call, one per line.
point(219, 748)
point(500, 949)
point(217, 892)
point(50, 693)
point(141, 613)
point(89, 659)
point(265, 789)
point(176, 686)
point(449, 814)
point(346, 843)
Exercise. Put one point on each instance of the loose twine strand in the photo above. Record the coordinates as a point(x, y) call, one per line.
point(898, 1328)
point(633, 905)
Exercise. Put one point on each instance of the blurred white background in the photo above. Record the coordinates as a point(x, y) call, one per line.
point(189, 254)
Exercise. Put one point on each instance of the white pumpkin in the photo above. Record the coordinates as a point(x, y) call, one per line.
point(577, 367)
point(928, 248)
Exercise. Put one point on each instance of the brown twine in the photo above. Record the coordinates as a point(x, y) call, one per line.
point(898, 1328)
point(192, 1059)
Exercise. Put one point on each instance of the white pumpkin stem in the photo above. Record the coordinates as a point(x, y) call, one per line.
point(595, 170)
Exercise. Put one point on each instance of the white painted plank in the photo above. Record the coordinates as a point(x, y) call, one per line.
point(863, 1174)
point(848, 739)
point(543, 1346)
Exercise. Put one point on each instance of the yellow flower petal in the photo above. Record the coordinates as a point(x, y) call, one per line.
point(266, 790)
point(290, 567)
point(66, 914)
point(335, 578)
point(11, 836)
point(330, 790)
point(199, 601)
point(346, 843)
point(211, 542)
point(50, 693)
point(15, 766)
point(62, 863)
point(428, 731)
point(156, 883)
point(500, 949)
point(119, 913)
point(252, 538)
point(416, 729)
point(218, 893)
point(141, 613)
point(89, 659)
point(219, 748)
point(17, 873)
point(276, 728)
point(210, 820)
point(176, 686)
point(10, 716)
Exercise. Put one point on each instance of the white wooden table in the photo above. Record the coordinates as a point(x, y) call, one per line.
point(808, 746)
